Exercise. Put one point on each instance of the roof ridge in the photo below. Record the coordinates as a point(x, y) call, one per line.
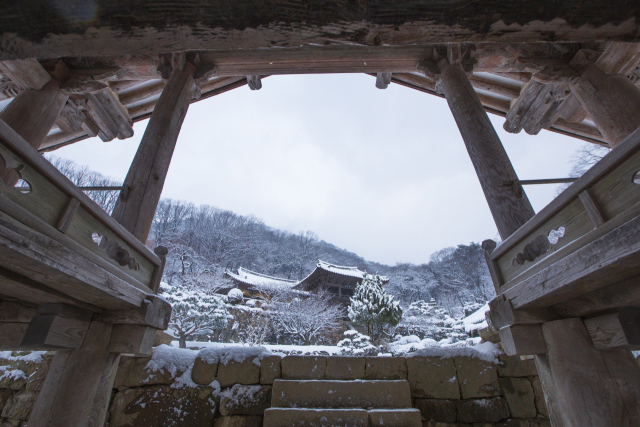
point(266, 275)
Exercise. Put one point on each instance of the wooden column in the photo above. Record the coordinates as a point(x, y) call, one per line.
point(509, 205)
point(612, 102)
point(598, 388)
point(33, 112)
point(78, 386)
point(143, 185)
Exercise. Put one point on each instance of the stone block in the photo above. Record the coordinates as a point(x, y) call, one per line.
point(409, 417)
point(36, 379)
point(16, 371)
point(203, 373)
point(477, 378)
point(297, 417)
point(483, 410)
point(437, 410)
point(245, 372)
point(19, 406)
point(541, 404)
point(5, 395)
point(160, 406)
point(539, 422)
point(385, 368)
point(514, 423)
point(340, 394)
point(304, 367)
point(239, 421)
point(133, 372)
point(345, 368)
point(245, 400)
point(432, 377)
point(441, 424)
point(512, 366)
point(270, 369)
point(520, 397)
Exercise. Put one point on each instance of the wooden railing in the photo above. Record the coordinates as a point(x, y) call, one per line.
point(52, 234)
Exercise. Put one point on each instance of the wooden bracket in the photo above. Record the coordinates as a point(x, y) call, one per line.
point(56, 326)
point(162, 252)
point(430, 69)
point(132, 339)
point(503, 314)
point(383, 80)
point(521, 340)
point(593, 208)
point(494, 270)
point(616, 330)
point(155, 312)
point(255, 83)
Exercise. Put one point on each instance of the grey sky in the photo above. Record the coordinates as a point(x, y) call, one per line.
point(382, 173)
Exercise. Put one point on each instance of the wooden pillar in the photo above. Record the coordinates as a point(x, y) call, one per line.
point(137, 203)
point(509, 205)
point(612, 102)
point(597, 388)
point(78, 386)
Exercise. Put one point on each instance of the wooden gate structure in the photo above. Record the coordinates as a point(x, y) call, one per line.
point(75, 280)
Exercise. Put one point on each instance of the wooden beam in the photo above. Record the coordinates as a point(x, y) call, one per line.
point(615, 330)
point(137, 204)
point(499, 88)
point(488, 246)
point(33, 112)
point(11, 334)
point(132, 339)
point(26, 73)
point(116, 111)
point(503, 314)
point(521, 340)
point(16, 312)
point(520, 107)
point(56, 326)
point(67, 215)
point(254, 82)
point(599, 388)
point(593, 208)
point(487, 154)
point(155, 312)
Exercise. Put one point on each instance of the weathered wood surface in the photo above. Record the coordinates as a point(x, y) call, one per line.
point(594, 210)
point(11, 334)
point(615, 330)
point(550, 391)
point(26, 73)
point(154, 312)
point(143, 185)
point(132, 339)
point(599, 388)
point(78, 386)
point(56, 326)
point(487, 154)
point(155, 27)
point(503, 314)
point(67, 214)
point(14, 311)
point(522, 340)
point(33, 112)
point(610, 185)
point(488, 246)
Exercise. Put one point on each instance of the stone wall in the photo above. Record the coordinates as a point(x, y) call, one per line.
point(187, 388)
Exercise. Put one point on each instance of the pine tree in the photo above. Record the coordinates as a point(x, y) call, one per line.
point(372, 307)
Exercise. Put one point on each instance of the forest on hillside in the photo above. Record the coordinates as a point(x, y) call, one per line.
point(204, 240)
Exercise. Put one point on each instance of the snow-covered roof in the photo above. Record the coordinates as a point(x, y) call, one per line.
point(258, 279)
point(343, 270)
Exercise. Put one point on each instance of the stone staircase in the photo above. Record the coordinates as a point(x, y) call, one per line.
point(334, 403)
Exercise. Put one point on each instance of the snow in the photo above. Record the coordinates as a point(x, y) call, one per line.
point(258, 279)
point(34, 356)
point(476, 320)
point(235, 294)
point(486, 351)
point(278, 349)
point(236, 353)
point(173, 360)
point(242, 394)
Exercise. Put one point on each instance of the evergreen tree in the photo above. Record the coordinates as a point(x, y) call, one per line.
point(195, 311)
point(372, 307)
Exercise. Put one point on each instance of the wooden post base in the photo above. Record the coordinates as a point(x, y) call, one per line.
point(78, 386)
point(594, 388)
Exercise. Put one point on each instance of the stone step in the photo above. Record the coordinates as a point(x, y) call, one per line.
point(299, 417)
point(340, 394)
point(307, 417)
point(395, 417)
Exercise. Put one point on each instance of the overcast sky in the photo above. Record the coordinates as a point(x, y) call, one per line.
point(382, 173)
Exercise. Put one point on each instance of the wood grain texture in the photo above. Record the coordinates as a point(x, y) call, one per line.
point(26, 73)
point(615, 330)
point(503, 314)
point(487, 154)
point(551, 393)
point(494, 270)
point(67, 215)
point(132, 339)
point(155, 311)
point(593, 208)
point(33, 112)
point(78, 386)
point(11, 334)
point(613, 102)
point(599, 389)
point(137, 204)
point(15, 311)
point(521, 340)
point(520, 107)
point(622, 294)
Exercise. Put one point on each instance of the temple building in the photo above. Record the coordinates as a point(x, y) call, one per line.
point(339, 280)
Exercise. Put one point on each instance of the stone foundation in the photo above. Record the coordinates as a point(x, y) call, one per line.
point(457, 391)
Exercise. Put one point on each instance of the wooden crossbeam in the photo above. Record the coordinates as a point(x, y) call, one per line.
point(619, 330)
